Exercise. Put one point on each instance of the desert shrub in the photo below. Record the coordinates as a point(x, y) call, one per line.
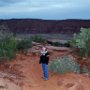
point(7, 43)
point(67, 44)
point(38, 38)
point(8, 48)
point(82, 42)
point(64, 64)
point(60, 44)
point(24, 44)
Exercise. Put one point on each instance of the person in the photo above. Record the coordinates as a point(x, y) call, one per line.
point(44, 60)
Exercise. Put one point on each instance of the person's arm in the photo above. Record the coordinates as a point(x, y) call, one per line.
point(47, 57)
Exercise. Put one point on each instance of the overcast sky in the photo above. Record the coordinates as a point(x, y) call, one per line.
point(45, 9)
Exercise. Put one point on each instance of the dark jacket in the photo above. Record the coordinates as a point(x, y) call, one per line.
point(44, 59)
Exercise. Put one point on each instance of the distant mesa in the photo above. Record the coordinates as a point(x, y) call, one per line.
point(35, 26)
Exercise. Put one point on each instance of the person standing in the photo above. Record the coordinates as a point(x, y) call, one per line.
point(44, 60)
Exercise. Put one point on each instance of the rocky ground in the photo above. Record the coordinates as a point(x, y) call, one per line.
point(25, 73)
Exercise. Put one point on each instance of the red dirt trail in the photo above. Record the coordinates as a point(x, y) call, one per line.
point(32, 72)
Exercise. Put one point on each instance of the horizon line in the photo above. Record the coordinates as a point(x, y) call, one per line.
point(42, 19)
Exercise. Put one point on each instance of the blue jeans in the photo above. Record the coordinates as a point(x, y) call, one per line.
point(45, 70)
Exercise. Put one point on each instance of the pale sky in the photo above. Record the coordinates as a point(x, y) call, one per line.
point(45, 9)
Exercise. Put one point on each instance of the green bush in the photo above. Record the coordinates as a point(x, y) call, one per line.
point(38, 38)
point(66, 64)
point(67, 44)
point(82, 42)
point(8, 48)
point(24, 44)
point(63, 65)
point(60, 44)
point(57, 44)
point(7, 43)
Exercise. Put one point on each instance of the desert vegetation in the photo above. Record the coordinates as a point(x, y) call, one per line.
point(24, 44)
point(80, 44)
point(60, 44)
point(38, 38)
point(8, 48)
point(9, 45)
point(64, 64)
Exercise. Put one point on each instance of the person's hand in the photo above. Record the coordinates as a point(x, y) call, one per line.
point(47, 55)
